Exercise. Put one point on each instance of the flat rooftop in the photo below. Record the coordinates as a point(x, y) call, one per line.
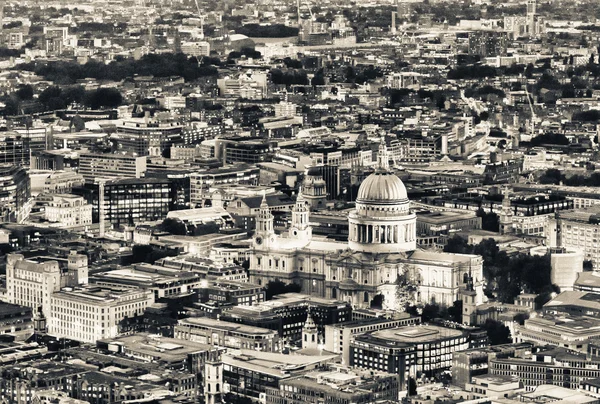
point(416, 334)
point(225, 326)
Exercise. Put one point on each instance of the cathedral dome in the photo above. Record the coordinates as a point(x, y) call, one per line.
point(382, 187)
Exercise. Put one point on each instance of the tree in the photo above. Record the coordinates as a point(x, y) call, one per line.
point(278, 287)
point(497, 332)
point(412, 387)
point(52, 99)
point(551, 176)
point(430, 312)
point(173, 226)
point(455, 311)
point(24, 92)
point(146, 253)
point(231, 398)
point(77, 123)
point(489, 220)
point(457, 244)
point(103, 98)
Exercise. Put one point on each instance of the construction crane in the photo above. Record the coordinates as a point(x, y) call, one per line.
point(202, 19)
point(533, 115)
point(298, 5)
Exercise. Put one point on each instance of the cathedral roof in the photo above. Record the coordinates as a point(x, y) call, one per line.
point(382, 187)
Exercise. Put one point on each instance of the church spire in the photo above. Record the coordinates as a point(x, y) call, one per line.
point(383, 159)
point(264, 220)
point(300, 228)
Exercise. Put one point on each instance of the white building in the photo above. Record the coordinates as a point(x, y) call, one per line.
point(285, 109)
point(68, 210)
point(92, 313)
point(31, 282)
point(201, 48)
point(380, 251)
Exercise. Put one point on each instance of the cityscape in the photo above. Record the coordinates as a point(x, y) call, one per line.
point(293, 201)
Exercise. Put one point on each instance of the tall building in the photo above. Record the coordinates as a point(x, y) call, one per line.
point(132, 201)
point(17, 147)
point(31, 282)
point(381, 247)
point(576, 229)
point(15, 191)
point(488, 43)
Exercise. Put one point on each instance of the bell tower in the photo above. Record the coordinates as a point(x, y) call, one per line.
point(264, 234)
point(300, 228)
point(310, 334)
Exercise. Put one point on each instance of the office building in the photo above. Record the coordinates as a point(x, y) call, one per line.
point(16, 320)
point(130, 201)
point(91, 313)
point(67, 210)
point(249, 374)
point(226, 334)
point(488, 43)
point(336, 385)
point(196, 49)
point(31, 282)
point(143, 137)
point(200, 182)
point(15, 191)
point(577, 229)
point(554, 366)
point(287, 314)
point(246, 150)
point(338, 336)
point(94, 166)
point(569, 331)
point(162, 282)
point(408, 351)
point(474, 362)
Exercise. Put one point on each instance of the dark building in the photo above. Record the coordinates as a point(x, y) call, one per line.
point(15, 319)
point(503, 172)
point(131, 201)
point(474, 362)
point(246, 150)
point(17, 147)
point(411, 351)
point(331, 176)
point(15, 191)
point(488, 43)
point(232, 293)
point(287, 314)
point(139, 136)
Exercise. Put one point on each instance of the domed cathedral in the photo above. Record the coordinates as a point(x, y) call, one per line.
point(379, 266)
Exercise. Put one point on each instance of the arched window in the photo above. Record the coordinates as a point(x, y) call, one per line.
point(334, 293)
point(366, 298)
point(313, 338)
